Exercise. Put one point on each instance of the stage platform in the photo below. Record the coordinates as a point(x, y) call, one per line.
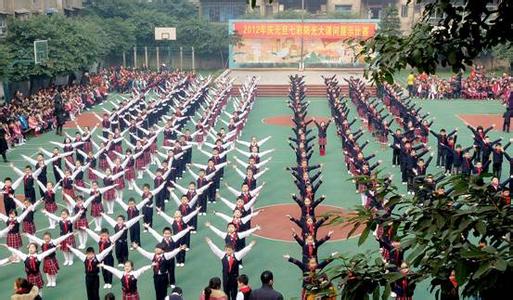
point(281, 76)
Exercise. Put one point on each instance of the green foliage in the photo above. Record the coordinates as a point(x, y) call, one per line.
point(72, 45)
point(504, 51)
point(467, 231)
point(465, 30)
point(5, 60)
point(390, 24)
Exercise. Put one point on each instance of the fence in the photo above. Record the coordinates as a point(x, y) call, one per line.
point(182, 58)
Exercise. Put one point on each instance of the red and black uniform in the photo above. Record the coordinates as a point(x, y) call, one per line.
point(109, 195)
point(32, 269)
point(108, 260)
point(148, 209)
point(121, 247)
point(9, 203)
point(135, 229)
point(28, 223)
point(81, 222)
point(230, 275)
point(92, 279)
point(178, 226)
point(49, 199)
point(50, 263)
point(67, 187)
point(129, 285)
point(66, 227)
point(28, 188)
point(120, 181)
point(96, 205)
point(160, 276)
point(13, 238)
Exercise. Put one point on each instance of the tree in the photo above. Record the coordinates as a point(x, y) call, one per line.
point(72, 45)
point(390, 24)
point(5, 60)
point(505, 52)
point(467, 231)
point(465, 29)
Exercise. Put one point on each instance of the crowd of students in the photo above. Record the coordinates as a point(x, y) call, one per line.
point(93, 173)
point(478, 85)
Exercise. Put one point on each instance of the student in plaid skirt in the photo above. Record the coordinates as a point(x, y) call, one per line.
point(32, 262)
point(67, 187)
point(82, 221)
point(96, 204)
point(50, 263)
point(103, 157)
point(139, 161)
point(66, 227)
point(13, 237)
point(109, 195)
point(128, 278)
point(49, 199)
point(130, 167)
point(120, 181)
point(28, 223)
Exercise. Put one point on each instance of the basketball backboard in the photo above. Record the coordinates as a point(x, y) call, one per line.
point(165, 33)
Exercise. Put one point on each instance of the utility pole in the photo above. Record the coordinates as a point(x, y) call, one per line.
point(302, 62)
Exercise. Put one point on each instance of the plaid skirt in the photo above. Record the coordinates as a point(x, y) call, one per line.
point(118, 149)
point(13, 240)
point(112, 155)
point(153, 147)
point(146, 157)
point(131, 296)
point(70, 159)
point(29, 227)
point(50, 265)
point(81, 223)
point(51, 207)
point(88, 147)
point(109, 195)
point(322, 141)
point(35, 279)
point(69, 241)
point(166, 143)
point(103, 164)
point(91, 176)
point(130, 174)
point(140, 163)
point(403, 298)
point(79, 182)
point(69, 192)
point(120, 183)
point(96, 209)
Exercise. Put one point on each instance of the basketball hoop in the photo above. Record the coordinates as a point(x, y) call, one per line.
point(165, 33)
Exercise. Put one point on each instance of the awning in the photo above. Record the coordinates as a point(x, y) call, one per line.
point(22, 11)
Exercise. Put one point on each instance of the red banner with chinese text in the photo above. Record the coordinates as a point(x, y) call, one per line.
point(306, 30)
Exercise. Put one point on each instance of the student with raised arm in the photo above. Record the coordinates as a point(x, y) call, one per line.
point(109, 179)
point(240, 222)
point(254, 153)
point(254, 142)
point(96, 205)
point(245, 192)
point(28, 225)
point(29, 177)
point(170, 242)
point(32, 262)
point(245, 208)
point(92, 269)
point(203, 180)
point(66, 226)
point(132, 212)
point(160, 260)
point(50, 263)
point(121, 244)
point(13, 221)
point(252, 163)
point(146, 193)
point(310, 268)
point(49, 198)
point(249, 177)
point(232, 236)
point(42, 164)
point(128, 278)
point(82, 221)
point(178, 223)
point(230, 261)
point(158, 179)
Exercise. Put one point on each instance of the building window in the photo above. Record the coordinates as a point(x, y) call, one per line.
point(404, 11)
point(374, 13)
point(343, 8)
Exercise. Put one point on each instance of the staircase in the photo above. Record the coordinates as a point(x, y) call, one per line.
point(271, 90)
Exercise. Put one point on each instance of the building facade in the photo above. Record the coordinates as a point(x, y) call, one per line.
point(224, 10)
point(23, 9)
